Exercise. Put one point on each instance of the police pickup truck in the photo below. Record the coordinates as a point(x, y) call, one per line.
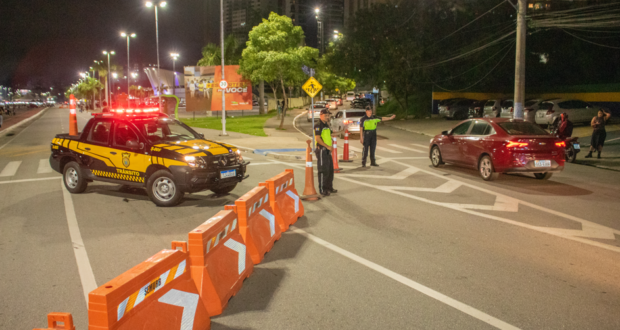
point(147, 150)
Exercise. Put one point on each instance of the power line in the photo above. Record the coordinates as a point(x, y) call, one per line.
point(594, 43)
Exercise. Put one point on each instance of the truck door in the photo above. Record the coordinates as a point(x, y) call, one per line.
point(129, 153)
point(96, 148)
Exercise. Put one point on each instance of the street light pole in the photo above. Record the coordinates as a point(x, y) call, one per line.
point(174, 58)
point(160, 4)
point(519, 97)
point(223, 65)
point(109, 74)
point(133, 35)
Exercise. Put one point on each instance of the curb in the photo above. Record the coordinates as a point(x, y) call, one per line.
point(24, 121)
point(269, 154)
point(410, 130)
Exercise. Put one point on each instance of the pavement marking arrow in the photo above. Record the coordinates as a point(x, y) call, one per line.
point(398, 176)
point(409, 149)
point(240, 248)
point(272, 220)
point(189, 302)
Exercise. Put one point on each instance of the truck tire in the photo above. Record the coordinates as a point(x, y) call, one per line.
point(223, 190)
point(73, 179)
point(163, 190)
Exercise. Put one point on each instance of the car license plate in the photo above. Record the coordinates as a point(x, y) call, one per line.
point(542, 163)
point(228, 174)
point(576, 146)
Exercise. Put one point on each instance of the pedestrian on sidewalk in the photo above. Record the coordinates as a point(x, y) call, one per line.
point(325, 163)
point(599, 134)
point(368, 137)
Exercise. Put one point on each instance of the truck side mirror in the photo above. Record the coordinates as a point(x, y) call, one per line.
point(133, 144)
point(201, 135)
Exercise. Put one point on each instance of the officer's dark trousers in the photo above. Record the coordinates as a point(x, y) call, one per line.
point(370, 142)
point(325, 165)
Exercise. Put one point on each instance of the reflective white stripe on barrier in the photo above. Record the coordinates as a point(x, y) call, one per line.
point(295, 198)
point(240, 248)
point(308, 164)
point(272, 221)
point(189, 302)
point(346, 141)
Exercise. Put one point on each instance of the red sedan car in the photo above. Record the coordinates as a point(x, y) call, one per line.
point(499, 145)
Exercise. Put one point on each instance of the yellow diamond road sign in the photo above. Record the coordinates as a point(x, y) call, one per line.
point(312, 87)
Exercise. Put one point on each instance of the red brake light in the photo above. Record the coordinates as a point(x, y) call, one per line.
point(561, 144)
point(514, 144)
point(511, 109)
point(447, 108)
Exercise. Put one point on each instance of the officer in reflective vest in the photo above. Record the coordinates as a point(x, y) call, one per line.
point(368, 138)
point(325, 164)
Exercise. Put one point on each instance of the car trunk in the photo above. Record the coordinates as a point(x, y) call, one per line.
point(535, 143)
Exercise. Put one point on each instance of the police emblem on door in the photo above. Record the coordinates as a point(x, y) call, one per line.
point(126, 159)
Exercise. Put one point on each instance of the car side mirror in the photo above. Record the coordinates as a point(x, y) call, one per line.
point(133, 144)
point(445, 133)
point(201, 135)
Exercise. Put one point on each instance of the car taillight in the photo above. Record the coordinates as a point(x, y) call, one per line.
point(511, 109)
point(561, 144)
point(447, 108)
point(550, 111)
point(515, 144)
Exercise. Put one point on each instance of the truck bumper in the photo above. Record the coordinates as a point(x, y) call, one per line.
point(189, 180)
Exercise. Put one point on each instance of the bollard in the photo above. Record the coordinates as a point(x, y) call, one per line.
point(345, 150)
point(310, 193)
point(337, 168)
point(73, 130)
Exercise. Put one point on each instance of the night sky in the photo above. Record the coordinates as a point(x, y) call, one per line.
point(47, 42)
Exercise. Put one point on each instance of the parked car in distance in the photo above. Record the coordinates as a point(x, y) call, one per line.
point(529, 110)
point(457, 109)
point(332, 104)
point(347, 119)
point(578, 111)
point(317, 112)
point(493, 108)
point(339, 99)
point(499, 145)
point(476, 109)
point(507, 109)
point(350, 96)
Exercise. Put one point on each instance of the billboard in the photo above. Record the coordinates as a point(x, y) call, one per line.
point(199, 87)
point(238, 92)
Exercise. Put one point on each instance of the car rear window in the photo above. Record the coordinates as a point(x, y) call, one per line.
point(522, 128)
point(490, 103)
point(530, 103)
point(355, 114)
point(507, 104)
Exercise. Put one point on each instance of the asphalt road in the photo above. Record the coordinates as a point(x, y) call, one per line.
point(402, 246)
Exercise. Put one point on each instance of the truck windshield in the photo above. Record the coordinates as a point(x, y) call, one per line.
point(162, 130)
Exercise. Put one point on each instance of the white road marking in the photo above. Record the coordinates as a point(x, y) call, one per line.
point(420, 145)
point(389, 150)
point(248, 158)
point(81, 257)
point(405, 148)
point(475, 313)
point(10, 169)
point(589, 229)
point(44, 166)
point(398, 176)
point(258, 164)
point(445, 188)
point(295, 124)
point(31, 180)
point(618, 138)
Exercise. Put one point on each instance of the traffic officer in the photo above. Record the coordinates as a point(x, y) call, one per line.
point(325, 164)
point(368, 138)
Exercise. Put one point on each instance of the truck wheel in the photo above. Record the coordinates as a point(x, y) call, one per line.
point(223, 190)
point(72, 177)
point(162, 189)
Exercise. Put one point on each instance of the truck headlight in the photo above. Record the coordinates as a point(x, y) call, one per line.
point(192, 161)
point(238, 155)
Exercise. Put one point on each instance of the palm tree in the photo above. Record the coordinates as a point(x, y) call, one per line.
point(212, 53)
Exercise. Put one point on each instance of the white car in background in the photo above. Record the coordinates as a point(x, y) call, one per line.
point(347, 119)
point(332, 104)
point(578, 111)
point(317, 112)
point(529, 109)
point(350, 96)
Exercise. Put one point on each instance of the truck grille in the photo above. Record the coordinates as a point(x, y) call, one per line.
point(222, 160)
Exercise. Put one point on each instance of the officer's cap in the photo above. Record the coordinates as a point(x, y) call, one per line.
point(325, 112)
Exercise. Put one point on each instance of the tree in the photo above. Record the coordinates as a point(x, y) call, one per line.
point(274, 55)
point(88, 88)
point(212, 53)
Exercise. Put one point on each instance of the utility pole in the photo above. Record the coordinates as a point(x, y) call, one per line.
point(223, 65)
point(519, 97)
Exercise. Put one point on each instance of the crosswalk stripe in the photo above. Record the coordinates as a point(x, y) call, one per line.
point(405, 148)
point(389, 150)
point(420, 145)
point(10, 169)
point(44, 167)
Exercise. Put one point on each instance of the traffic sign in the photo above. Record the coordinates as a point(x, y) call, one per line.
point(312, 87)
point(223, 84)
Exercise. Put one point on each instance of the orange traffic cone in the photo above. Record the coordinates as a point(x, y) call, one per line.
point(309, 191)
point(345, 150)
point(73, 130)
point(337, 168)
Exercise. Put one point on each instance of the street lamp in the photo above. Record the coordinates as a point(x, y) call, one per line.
point(319, 23)
point(174, 56)
point(161, 4)
point(128, 36)
point(105, 52)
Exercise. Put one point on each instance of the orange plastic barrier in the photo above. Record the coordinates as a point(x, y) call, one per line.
point(337, 168)
point(345, 150)
point(284, 199)
point(219, 260)
point(257, 223)
point(309, 190)
point(73, 130)
point(53, 320)
point(157, 294)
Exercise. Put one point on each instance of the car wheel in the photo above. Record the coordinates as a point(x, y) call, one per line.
point(570, 153)
point(486, 169)
point(543, 176)
point(223, 190)
point(436, 159)
point(72, 177)
point(163, 190)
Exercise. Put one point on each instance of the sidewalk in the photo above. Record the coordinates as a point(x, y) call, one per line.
point(21, 116)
